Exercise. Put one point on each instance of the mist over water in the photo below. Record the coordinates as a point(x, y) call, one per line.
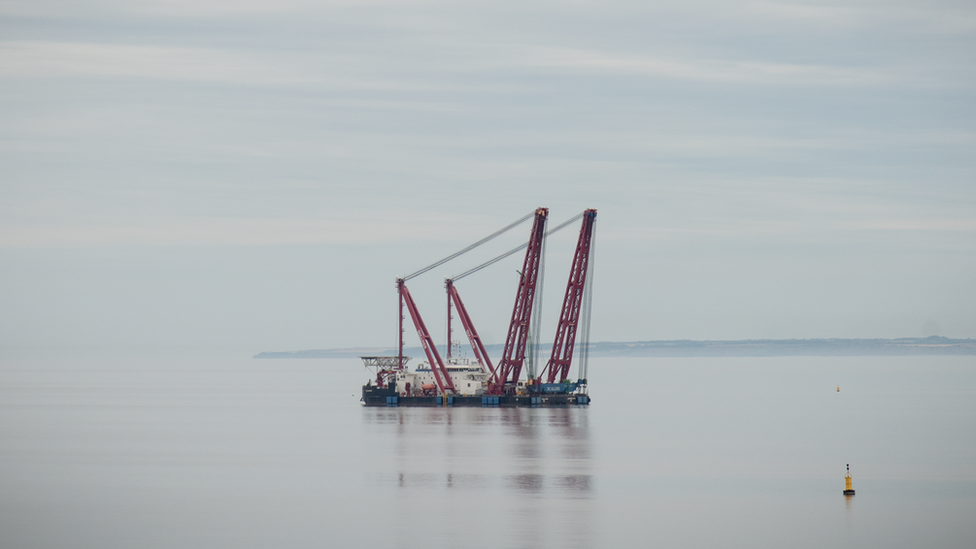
point(197, 450)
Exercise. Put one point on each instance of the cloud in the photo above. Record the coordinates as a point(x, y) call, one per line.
point(165, 8)
point(699, 70)
point(337, 226)
point(38, 59)
point(936, 17)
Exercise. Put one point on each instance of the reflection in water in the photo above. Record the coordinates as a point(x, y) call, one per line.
point(532, 465)
point(528, 483)
point(579, 483)
point(524, 482)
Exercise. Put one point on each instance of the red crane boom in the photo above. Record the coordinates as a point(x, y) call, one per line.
point(433, 357)
point(510, 366)
point(562, 346)
point(476, 345)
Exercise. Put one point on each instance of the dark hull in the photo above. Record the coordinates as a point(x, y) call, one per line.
point(543, 401)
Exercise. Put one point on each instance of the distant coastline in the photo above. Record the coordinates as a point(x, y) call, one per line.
point(932, 345)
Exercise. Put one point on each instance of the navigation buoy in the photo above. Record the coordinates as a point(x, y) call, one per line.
point(838, 388)
point(848, 483)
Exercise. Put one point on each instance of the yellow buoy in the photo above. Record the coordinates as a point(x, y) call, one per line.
point(848, 482)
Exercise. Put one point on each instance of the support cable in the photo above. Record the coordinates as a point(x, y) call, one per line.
point(584, 360)
point(535, 323)
point(490, 262)
point(469, 248)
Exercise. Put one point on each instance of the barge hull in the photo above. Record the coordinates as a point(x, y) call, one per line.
point(543, 401)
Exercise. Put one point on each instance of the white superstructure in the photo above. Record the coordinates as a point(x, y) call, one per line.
point(469, 378)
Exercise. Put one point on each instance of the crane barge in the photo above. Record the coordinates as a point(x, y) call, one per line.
point(456, 381)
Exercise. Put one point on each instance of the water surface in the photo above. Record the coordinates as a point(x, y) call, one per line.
point(196, 450)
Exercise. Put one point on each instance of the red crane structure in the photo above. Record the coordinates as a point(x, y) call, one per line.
point(389, 366)
point(503, 378)
point(441, 375)
point(510, 366)
point(557, 369)
point(476, 344)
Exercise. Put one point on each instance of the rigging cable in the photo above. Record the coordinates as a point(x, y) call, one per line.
point(469, 248)
point(584, 357)
point(535, 322)
point(559, 227)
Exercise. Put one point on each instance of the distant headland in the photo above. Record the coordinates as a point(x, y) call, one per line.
point(932, 345)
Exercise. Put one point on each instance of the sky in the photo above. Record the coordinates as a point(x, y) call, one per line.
point(255, 175)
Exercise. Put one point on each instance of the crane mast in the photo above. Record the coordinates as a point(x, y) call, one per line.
point(441, 375)
point(557, 369)
point(510, 365)
point(480, 354)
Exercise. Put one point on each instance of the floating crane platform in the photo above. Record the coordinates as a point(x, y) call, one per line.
point(417, 388)
point(461, 382)
point(394, 401)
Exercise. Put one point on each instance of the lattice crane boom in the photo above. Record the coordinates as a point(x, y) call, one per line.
point(557, 369)
point(510, 366)
point(476, 344)
point(441, 374)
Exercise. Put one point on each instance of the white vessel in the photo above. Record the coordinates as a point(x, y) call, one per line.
point(468, 376)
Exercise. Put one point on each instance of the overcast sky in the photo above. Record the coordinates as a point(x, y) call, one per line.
point(255, 174)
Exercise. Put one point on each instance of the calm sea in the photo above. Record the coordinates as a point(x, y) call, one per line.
point(182, 450)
